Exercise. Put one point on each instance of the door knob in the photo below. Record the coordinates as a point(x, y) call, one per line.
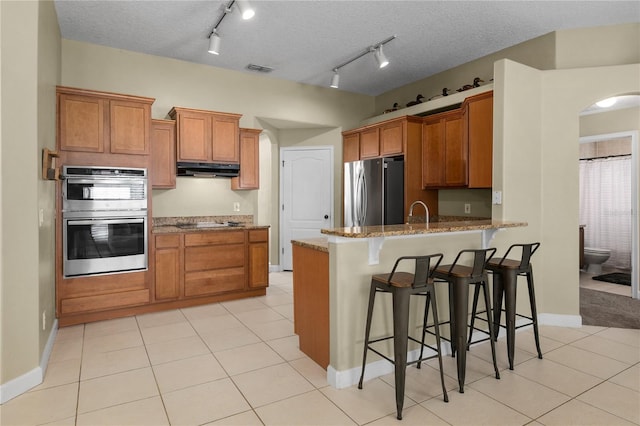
point(326, 216)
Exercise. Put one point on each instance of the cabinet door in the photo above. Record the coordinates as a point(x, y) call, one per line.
point(455, 152)
point(433, 154)
point(391, 139)
point(249, 177)
point(351, 147)
point(370, 143)
point(194, 136)
point(258, 258)
point(82, 123)
point(225, 146)
point(163, 154)
point(129, 125)
point(479, 115)
point(167, 267)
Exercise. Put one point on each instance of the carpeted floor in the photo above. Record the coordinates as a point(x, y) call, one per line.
point(609, 310)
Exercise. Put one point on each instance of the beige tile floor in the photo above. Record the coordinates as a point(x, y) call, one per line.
point(586, 281)
point(238, 363)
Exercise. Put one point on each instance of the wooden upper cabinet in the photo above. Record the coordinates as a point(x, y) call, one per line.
point(444, 151)
point(129, 125)
point(194, 136)
point(479, 133)
point(249, 176)
point(350, 147)
point(81, 123)
point(225, 147)
point(207, 136)
point(102, 122)
point(392, 138)
point(370, 143)
point(163, 154)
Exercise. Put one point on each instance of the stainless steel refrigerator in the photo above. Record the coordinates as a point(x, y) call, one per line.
point(374, 192)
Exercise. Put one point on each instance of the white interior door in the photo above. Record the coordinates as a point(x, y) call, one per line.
point(306, 196)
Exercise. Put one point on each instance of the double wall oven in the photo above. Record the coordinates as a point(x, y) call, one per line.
point(104, 220)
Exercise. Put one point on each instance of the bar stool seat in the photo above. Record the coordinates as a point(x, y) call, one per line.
point(460, 277)
point(505, 275)
point(402, 285)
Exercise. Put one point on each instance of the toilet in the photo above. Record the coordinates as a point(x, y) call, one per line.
point(594, 258)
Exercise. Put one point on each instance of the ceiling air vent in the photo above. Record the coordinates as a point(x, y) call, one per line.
point(259, 68)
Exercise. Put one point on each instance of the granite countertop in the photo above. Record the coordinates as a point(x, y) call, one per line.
point(421, 228)
point(320, 244)
point(170, 225)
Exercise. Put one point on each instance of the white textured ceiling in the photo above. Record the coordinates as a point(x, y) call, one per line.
point(304, 40)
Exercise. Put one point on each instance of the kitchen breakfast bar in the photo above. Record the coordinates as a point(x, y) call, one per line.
point(331, 282)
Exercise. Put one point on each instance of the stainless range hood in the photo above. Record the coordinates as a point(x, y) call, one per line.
point(208, 169)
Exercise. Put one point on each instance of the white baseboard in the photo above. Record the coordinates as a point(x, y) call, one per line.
point(274, 268)
point(560, 320)
point(381, 367)
point(33, 378)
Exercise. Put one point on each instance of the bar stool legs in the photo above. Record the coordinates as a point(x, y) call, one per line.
point(505, 276)
point(401, 289)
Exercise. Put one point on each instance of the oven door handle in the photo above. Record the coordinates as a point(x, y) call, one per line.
point(121, 180)
point(103, 221)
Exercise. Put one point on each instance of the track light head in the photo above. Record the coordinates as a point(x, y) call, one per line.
point(246, 10)
point(335, 81)
point(214, 43)
point(380, 57)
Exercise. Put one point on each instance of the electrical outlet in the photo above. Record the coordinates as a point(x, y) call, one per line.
point(497, 197)
point(236, 206)
point(467, 208)
point(41, 217)
point(44, 320)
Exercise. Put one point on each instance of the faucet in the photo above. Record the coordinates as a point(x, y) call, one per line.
point(426, 211)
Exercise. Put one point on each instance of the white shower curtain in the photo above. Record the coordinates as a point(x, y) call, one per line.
point(605, 207)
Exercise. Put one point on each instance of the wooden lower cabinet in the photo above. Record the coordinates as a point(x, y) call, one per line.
point(214, 262)
point(168, 266)
point(258, 258)
point(186, 269)
point(311, 302)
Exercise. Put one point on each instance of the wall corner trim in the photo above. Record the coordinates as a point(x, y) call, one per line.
point(33, 378)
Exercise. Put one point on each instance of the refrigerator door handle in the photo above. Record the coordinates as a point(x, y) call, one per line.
point(363, 200)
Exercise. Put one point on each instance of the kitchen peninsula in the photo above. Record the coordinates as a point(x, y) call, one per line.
point(331, 279)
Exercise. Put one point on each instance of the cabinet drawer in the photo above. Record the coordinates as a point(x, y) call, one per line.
point(104, 301)
point(214, 237)
point(258, 235)
point(167, 241)
point(213, 257)
point(210, 282)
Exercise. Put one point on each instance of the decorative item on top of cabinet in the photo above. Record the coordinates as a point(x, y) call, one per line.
point(478, 112)
point(444, 150)
point(207, 136)
point(249, 177)
point(163, 154)
point(102, 122)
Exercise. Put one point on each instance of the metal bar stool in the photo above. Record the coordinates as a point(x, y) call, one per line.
point(460, 277)
point(402, 285)
point(505, 277)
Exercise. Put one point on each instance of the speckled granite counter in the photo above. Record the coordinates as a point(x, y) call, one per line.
point(169, 225)
point(420, 228)
point(320, 244)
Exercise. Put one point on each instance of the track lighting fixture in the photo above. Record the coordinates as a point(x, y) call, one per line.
point(335, 81)
point(246, 11)
point(377, 52)
point(382, 60)
point(214, 43)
